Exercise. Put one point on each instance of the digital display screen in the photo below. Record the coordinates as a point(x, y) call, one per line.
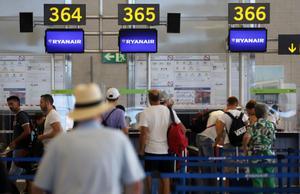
point(138, 40)
point(247, 40)
point(64, 40)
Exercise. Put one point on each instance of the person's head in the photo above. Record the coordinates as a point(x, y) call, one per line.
point(89, 103)
point(13, 103)
point(232, 102)
point(119, 106)
point(163, 98)
point(261, 110)
point(39, 118)
point(154, 97)
point(112, 94)
point(46, 102)
point(250, 107)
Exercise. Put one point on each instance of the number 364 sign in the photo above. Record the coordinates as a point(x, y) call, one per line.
point(64, 14)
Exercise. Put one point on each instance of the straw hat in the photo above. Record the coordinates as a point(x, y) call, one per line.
point(89, 102)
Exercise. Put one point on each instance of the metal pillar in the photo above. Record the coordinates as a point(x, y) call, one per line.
point(148, 71)
point(228, 75)
point(241, 78)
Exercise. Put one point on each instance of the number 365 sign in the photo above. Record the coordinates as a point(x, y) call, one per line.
point(138, 14)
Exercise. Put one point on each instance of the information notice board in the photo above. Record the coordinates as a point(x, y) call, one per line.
point(29, 77)
point(194, 81)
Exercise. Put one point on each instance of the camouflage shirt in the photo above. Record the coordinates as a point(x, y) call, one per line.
point(262, 137)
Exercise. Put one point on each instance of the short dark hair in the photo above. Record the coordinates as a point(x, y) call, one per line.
point(261, 110)
point(251, 104)
point(119, 106)
point(38, 115)
point(14, 98)
point(153, 95)
point(48, 98)
point(232, 100)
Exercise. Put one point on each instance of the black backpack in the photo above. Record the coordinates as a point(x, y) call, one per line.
point(237, 130)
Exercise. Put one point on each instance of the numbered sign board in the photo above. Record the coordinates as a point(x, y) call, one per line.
point(138, 40)
point(138, 14)
point(249, 13)
point(64, 14)
point(64, 40)
point(247, 40)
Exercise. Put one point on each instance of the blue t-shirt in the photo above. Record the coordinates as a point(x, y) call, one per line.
point(116, 119)
point(89, 159)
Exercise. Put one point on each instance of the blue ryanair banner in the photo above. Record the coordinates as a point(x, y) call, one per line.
point(247, 40)
point(64, 40)
point(138, 40)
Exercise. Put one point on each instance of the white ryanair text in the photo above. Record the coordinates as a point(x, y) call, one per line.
point(62, 41)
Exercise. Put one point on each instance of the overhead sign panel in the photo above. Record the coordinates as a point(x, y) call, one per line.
point(289, 44)
point(64, 14)
point(249, 13)
point(247, 40)
point(138, 40)
point(138, 14)
point(64, 40)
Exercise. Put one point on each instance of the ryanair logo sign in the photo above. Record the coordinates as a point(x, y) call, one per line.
point(247, 40)
point(135, 41)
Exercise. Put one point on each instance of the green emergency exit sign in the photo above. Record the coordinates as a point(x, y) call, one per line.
point(114, 58)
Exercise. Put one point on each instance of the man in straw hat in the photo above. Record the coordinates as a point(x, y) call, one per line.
point(92, 158)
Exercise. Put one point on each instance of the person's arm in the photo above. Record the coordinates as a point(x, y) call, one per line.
point(142, 139)
point(125, 130)
point(220, 130)
point(56, 129)
point(246, 140)
point(134, 188)
point(37, 190)
point(26, 132)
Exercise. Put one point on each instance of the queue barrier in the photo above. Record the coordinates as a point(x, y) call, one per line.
point(220, 162)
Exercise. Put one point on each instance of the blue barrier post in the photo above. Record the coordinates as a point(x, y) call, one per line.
point(280, 157)
point(155, 182)
point(182, 170)
point(221, 167)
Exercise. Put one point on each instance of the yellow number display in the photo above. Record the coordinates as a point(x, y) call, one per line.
point(239, 13)
point(250, 14)
point(139, 15)
point(261, 14)
point(150, 12)
point(65, 14)
point(54, 12)
point(128, 12)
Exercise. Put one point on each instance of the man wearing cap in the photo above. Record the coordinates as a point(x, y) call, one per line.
point(114, 118)
point(91, 158)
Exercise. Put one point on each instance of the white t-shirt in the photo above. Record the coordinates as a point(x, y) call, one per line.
point(211, 131)
point(157, 119)
point(52, 117)
point(224, 118)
